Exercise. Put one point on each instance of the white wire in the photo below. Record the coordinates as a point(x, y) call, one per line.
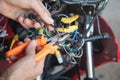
point(83, 42)
point(71, 54)
point(64, 15)
point(73, 60)
point(47, 6)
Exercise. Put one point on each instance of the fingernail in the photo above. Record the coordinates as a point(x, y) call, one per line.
point(51, 21)
point(33, 42)
point(37, 25)
point(20, 19)
point(50, 28)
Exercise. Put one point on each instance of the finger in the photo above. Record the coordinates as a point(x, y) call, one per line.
point(21, 21)
point(41, 62)
point(19, 43)
point(30, 50)
point(39, 48)
point(32, 20)
point(28, 22)
point(37, 25)
point(40, 66)
point(48, 13)
point(13, 58)
point(42, 23)
point(42, 12)
point(50, 28)
point(27, 39)
point(44, 7)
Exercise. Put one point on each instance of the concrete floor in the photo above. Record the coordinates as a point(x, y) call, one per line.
point(112, 16)
point(111, 71)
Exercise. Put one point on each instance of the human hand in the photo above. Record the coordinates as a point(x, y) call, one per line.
point(16, 10)
point(26, 68)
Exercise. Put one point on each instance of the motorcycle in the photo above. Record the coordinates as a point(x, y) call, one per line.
point(91, 42)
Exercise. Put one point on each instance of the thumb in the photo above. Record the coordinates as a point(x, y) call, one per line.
point(30, 50)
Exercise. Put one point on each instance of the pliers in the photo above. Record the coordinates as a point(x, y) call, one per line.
point(47, 44)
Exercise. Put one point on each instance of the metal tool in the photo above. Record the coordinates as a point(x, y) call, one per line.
point(41, 41)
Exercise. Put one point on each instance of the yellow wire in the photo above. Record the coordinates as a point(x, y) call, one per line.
point(57, 54)
point(69, 29)
point(70, 19)
point(15, 38)
point(41, 31)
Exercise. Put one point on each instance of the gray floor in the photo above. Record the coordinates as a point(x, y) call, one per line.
point(112, 16)
point(111, 71)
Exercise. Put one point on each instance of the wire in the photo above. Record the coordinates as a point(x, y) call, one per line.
point(1, 19)
point(75, 34)
point(98, 25)
point(73, 55)
point(4, 26)
point(94, 17)
point(61, 9)
point(105, 2)
point(60, 15)
point(61, 78)
point(63, 15)
point(78, 63)
point(81, 1)
point(47, 32)
point(47, 6)
point(83, 42)
point(73, 61)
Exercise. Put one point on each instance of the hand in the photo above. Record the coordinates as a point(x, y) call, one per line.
point(25, 68)
point(16, 10)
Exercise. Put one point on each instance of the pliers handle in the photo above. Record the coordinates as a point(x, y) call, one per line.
point(41, 41)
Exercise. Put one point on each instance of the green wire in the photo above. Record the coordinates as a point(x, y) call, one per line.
point(46, 32)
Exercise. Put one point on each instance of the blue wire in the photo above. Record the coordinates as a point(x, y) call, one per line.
point(74, 34)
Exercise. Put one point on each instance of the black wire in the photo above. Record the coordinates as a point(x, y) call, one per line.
point(46, 66)
point(94, 17)
point(91, 23)
point(81, 1)
point(78, 67)
point(85, 15)
point(61, 78)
